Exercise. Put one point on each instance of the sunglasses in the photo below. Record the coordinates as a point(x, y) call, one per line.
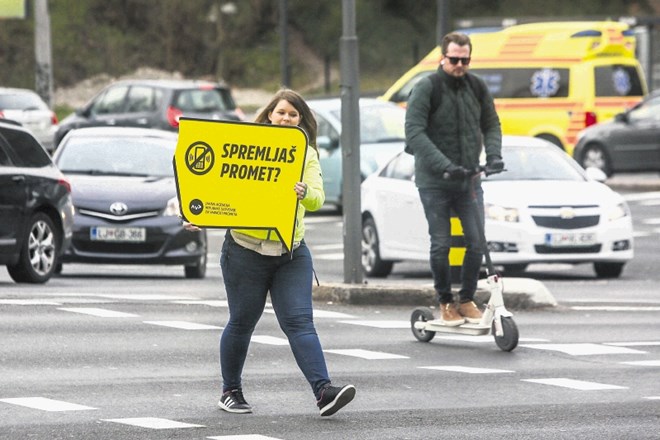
point(455, 60)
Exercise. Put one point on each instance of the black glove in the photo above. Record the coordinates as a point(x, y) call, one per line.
point(454, 172)
point(494, 163)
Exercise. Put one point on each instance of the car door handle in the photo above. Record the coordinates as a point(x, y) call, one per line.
point(111, 122)
point(141, 121)
point(18, 179)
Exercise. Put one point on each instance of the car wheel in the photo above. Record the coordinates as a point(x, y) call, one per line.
point(197, 270)
point(608, 270)
point(371, 262)
point(594, 155)
point(38, 258)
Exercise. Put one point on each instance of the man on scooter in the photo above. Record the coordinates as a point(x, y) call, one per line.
point(450, 117)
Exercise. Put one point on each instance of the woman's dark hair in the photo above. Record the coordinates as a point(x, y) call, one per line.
point(458, 38)
point(307, 119)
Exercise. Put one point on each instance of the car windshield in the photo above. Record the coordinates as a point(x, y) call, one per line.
point(534, 163)
point(21, 101)
point(380, 123)
point(117, 156)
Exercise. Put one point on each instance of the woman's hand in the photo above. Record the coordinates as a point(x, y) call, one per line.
point(301, 190)
point(190, 227)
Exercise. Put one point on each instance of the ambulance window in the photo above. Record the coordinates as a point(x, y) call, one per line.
point(525, 83)
point(617, 81)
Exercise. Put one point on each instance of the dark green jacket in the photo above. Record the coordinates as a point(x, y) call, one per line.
point(455, 130)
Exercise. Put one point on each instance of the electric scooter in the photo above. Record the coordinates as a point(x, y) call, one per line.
point(496, 320)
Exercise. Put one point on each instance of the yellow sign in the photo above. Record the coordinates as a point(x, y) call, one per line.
point(240, 175)
point(12, 8)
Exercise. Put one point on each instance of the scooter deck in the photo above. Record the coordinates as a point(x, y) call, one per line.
point(437, 325)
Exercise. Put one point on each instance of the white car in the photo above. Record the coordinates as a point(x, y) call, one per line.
point(26, 107)
point(544, 208)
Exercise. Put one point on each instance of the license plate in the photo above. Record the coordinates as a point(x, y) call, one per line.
point(102, 233)
point(568, 239)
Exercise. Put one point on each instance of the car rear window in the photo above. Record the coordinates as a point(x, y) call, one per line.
point(204, 100)
point(618, 80)
point(23, 149)
point(21, 101)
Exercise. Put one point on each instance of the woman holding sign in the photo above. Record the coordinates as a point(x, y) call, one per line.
point(255, 262)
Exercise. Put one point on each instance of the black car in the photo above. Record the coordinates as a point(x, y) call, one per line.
point(153, 104)
point(124, 193)
point(36, 212)
point(630, 142)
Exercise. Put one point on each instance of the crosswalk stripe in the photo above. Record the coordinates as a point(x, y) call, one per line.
point(470, 370)
point(380, 324)
point(101, 313)
point(584, 349)
point(653, 363)
point(153, 423)
point(46, 404)
point(243, 437)
point(269, 340)
point(575, 384)
point(184, 325)
point(366, 354)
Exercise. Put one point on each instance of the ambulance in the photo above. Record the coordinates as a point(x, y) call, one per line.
point(549, 80)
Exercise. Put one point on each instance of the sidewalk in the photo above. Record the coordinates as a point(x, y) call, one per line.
point(519, 293)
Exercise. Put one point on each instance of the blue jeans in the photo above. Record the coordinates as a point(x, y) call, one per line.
point(438, 205)
point(249, 276)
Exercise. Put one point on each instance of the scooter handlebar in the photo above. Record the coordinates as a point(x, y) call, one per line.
point(471, 172)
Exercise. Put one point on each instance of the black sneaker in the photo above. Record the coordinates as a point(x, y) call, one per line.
point(334, 398)
point(234, 402)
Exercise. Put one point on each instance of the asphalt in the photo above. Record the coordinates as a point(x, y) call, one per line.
point(519, 293)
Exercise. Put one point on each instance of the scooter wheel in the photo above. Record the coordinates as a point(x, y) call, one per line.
point(509, 339)
point(421, 314)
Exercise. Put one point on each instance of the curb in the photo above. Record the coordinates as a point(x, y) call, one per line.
point(519, 294)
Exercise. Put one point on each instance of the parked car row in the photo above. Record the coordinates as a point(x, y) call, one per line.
point(26, 107)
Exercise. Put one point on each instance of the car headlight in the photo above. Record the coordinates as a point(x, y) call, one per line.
point(618, 211)
point(172, 207)
point(501, 213)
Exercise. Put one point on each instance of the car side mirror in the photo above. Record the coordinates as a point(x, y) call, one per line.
point(622, 117)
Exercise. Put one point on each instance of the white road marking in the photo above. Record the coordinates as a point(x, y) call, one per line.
point(46, 404)
point(184, 325)
point(102, 313)
point(575, 384)
point(584, 349)
point(153, 423)
point(654, 363)
point(210, 303)
point(653, 397)
point(366, 354)
point(269, 340)
point(380, 324)
point(146, 297)
point(633, 344)
point(617, 308)
point(243, 437)
point(332, 257)
point(470, 370)
point(29, 302)
point(330, 314)
point(642, 196)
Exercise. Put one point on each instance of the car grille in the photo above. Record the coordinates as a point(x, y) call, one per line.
point(566, 223)
point(543, 249)
point(119, 218)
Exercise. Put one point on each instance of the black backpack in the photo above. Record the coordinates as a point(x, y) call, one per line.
point(436, 94)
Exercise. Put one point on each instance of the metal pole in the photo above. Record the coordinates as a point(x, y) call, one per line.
point(442, 20)
point(350, 144)
point(284, 44)
point(42, 52)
